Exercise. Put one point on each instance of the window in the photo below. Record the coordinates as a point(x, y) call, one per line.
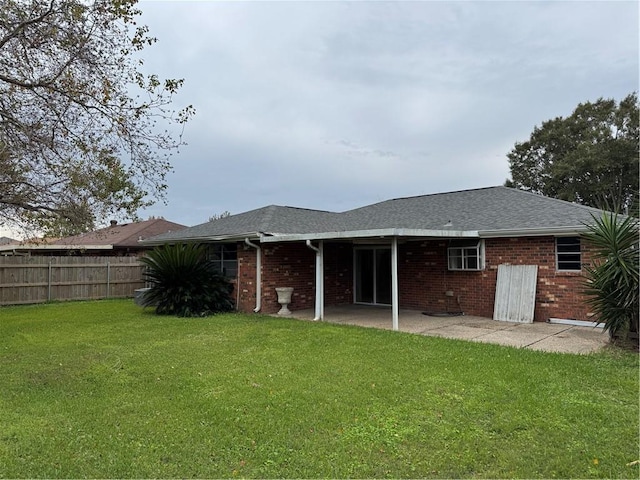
point(225, 258)
point(466, 254)
point(568, 255)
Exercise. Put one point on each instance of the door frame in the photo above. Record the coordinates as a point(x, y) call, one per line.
point(373, 248)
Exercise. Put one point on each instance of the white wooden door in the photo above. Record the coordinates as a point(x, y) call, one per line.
point(515, 293)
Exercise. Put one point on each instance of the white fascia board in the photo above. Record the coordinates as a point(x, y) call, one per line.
point(534, 232)
point(236, 237)
point(379, 233)
point(233, 238)
point(80, 247)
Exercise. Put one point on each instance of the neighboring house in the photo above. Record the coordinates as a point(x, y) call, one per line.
point(117, 240)
point(433, 253)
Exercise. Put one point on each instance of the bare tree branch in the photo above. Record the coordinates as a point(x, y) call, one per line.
point(17, 29)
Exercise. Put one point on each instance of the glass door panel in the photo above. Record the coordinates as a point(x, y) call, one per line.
point(383, 276)
point(364, 276)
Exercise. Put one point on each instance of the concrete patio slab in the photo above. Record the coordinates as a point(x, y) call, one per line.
point(458, 331)
point(516, 337)
point(535, 336)
point(574, 340)
point(562, 346)
point(487, 323)
point(543, 327)
point(433, 323)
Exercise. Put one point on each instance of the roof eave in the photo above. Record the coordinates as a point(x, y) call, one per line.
point(236, 237)
point(535, 232)
point(374, 233)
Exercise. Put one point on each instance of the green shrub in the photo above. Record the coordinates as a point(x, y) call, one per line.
point(613, 280)
point(184, 283)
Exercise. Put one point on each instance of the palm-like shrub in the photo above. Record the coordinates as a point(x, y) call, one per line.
point(613, 279)
point(184, 283)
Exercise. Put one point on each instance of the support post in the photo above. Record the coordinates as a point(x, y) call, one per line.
point(320, 278)
point(394, 283)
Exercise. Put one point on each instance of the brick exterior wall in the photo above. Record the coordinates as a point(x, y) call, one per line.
point(288, 265)
point(423, 277)
point(338, 273)
point(558, 294)
point(245, 284)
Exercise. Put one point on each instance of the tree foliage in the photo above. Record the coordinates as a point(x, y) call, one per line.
point(218, 216)
point(83, 133)
point(590, 157)
point(184, 282)
point(613, 281)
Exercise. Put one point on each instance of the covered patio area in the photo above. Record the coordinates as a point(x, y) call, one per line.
point(535, 336)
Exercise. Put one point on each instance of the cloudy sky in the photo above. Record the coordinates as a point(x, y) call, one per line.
point(335, 105)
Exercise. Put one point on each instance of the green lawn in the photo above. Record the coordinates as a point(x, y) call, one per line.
point(104, 389)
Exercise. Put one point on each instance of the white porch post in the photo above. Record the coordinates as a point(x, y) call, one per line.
point(320, 280)
point(394, 283)
point(319, 303)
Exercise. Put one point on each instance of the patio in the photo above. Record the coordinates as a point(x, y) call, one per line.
point(535, 336)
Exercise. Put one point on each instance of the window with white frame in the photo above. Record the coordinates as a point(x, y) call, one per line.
point(568, 254)
point(225, 258)
point(467, 254)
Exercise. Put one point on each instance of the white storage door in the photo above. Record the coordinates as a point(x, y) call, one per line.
point(515, 293)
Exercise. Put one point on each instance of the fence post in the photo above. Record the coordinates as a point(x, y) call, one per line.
point(49, 283)
point(108, 278)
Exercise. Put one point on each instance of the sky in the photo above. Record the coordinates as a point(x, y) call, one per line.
point(336, 105)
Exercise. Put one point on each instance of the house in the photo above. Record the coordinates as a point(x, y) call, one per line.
point(7, 240)
point(435, 253)
point(116, 239)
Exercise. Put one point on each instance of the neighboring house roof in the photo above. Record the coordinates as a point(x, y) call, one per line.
point(7, 241)
point(483, 212)
point(114, 237)
point(122, 236)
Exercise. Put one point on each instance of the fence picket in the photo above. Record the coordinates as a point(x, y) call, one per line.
point(33, 279)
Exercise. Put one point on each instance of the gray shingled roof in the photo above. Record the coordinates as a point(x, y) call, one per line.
point(272, 219)
point(486, 211)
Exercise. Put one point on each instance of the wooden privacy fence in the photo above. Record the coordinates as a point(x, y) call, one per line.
point(45, 279)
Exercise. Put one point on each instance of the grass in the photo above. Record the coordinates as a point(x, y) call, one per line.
point(105, 389)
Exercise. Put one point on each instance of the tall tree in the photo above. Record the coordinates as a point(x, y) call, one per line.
point(81, 134)
point(589, 157)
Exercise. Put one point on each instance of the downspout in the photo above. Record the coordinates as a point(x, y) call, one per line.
point(258, 275)
point(319, 304)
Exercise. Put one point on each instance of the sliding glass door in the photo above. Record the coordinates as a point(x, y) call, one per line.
point(373, 275)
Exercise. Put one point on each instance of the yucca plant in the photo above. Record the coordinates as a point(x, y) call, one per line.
point(613, 279)
point(184, 283)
